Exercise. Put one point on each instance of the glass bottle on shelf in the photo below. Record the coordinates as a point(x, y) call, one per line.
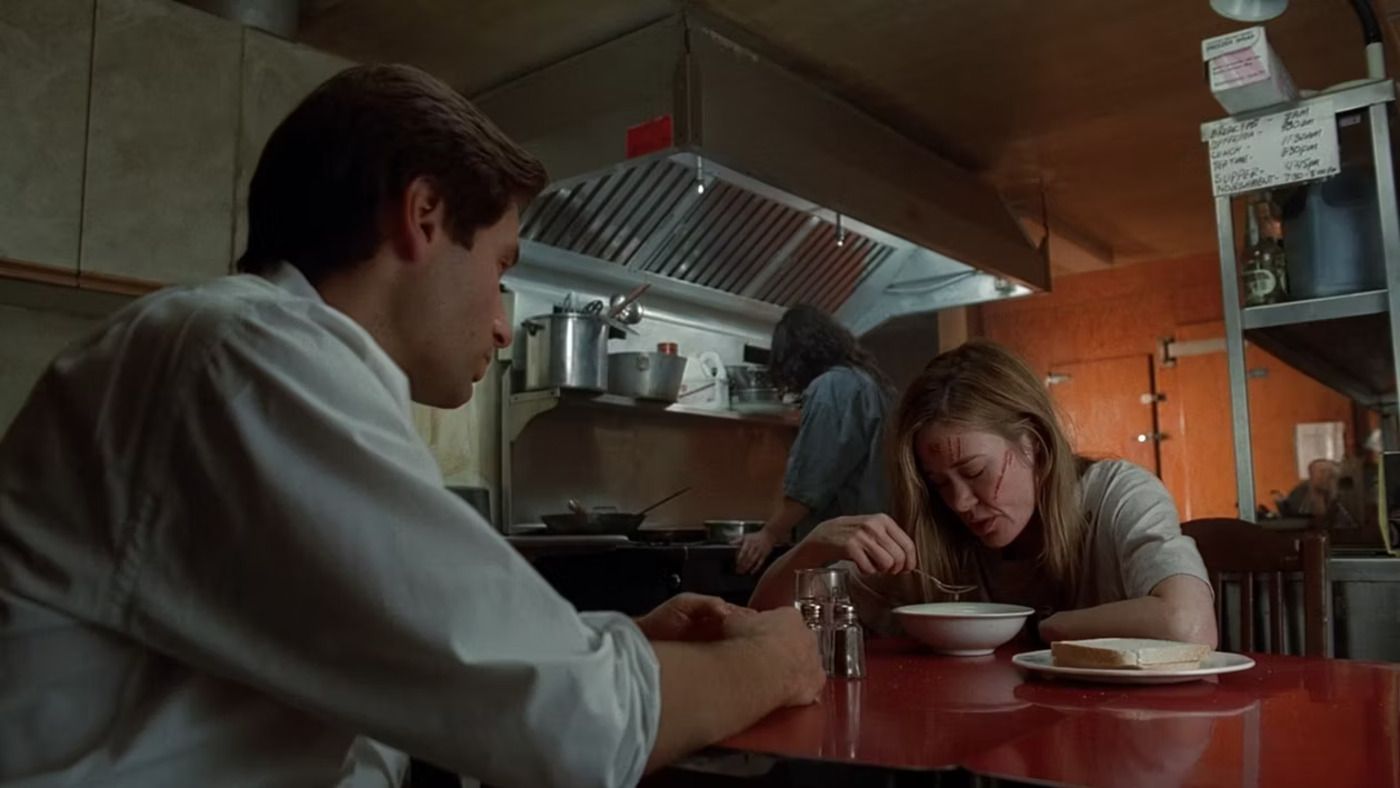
point(1265, 274)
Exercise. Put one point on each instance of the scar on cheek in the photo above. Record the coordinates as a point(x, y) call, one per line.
point(1005, 461)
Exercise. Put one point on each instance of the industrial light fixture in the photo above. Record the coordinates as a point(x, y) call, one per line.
point(1264, 10)
point(1249, 10)
point(699, 175)
point(840, 232)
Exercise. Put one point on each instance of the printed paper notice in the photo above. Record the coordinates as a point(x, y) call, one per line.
point(1261, 153)
point(1236, 59)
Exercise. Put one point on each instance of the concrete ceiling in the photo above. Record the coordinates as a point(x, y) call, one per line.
point(1097, 103)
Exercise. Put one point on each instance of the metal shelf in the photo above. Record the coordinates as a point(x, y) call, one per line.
point(1350, 354)
point(1350, 342)
point(525, 406)
point(1359, 96)
point(1371, 302)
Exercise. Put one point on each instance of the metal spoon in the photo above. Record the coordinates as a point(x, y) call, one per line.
point(621, 306)
point(946, 588)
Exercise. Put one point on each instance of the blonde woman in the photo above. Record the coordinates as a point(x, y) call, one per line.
point(986, 490)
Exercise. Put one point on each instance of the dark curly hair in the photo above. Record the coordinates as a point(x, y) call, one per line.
point(808, 342)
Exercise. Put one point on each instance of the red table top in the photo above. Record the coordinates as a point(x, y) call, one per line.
point(1288, 720)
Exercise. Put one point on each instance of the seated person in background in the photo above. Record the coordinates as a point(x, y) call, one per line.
point(1316, 494)
point(987, 491)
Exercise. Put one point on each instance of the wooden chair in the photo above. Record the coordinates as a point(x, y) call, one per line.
point(1237, 547)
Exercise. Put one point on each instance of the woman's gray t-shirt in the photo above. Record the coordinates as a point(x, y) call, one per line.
point(1134, 542)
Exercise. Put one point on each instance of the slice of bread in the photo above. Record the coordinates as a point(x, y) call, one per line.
point(1128, 654)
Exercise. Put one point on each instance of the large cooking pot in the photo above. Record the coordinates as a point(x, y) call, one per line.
point(566, 350)
point(655, 376)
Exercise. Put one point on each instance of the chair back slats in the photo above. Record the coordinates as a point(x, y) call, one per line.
point(1235, 549)
point(1247, 611)
point(1315, 608)
point(1276, 606)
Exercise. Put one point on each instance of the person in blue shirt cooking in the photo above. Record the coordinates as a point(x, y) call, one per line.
point(836, 465)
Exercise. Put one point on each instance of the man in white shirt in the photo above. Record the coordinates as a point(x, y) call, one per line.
point(226, 558)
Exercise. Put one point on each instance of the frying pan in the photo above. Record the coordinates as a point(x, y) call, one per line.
point(601, 522)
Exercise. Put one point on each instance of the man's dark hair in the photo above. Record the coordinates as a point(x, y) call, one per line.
point(808, 342)
point(343, 157)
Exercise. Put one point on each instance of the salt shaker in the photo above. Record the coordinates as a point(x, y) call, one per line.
point(847, 643)
point(813, 615)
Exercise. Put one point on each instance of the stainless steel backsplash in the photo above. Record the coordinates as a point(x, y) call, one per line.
point(631, 459)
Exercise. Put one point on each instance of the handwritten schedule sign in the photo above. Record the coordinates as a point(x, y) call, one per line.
point(1261, 153)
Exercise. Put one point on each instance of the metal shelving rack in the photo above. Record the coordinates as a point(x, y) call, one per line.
point(1316, 335)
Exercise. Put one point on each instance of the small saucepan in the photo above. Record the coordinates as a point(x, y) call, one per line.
point(729, 531)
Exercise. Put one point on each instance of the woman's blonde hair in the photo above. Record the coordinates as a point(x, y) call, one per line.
point(984, 386)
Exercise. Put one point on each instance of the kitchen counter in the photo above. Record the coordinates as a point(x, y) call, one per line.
point(615, 573)
point(1365, 606)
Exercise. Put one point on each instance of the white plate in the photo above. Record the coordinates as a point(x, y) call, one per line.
point(1215, 663)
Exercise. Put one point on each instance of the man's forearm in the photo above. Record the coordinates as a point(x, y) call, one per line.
point(710, 691)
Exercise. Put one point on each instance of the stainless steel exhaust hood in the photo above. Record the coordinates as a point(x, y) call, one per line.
point(683, 158)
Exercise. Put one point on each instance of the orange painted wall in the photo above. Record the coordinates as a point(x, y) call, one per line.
point(1129, 311)
point(1107, 314)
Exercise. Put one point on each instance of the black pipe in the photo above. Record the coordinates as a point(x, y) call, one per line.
point(1367, 17)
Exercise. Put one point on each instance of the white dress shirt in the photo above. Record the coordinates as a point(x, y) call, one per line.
point(225, 554)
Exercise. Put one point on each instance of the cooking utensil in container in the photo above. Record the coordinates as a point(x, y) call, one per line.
point(619, 307)
point(749, 376)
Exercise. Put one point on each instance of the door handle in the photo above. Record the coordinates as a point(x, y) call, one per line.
point(1145, 437)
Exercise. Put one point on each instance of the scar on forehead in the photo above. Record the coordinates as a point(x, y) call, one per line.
point(1005, 461)
point(957, 453)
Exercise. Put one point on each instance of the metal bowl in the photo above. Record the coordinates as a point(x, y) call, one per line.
point(643, 375)
point(729, 531)
point(757, 401)
point(749, 376)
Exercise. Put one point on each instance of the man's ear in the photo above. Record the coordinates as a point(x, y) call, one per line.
point(419, 220)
